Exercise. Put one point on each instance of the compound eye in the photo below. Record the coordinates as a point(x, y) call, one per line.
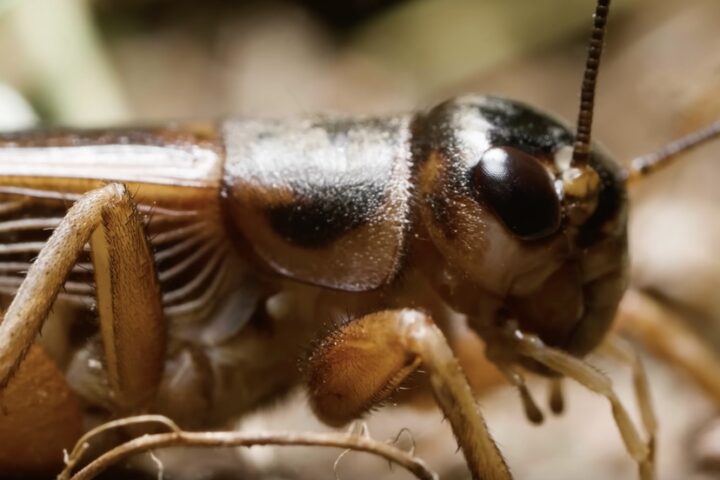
point(519, 190)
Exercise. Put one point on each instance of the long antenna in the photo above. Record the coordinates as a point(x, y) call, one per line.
point(581, 149)
point(640, 166)
point(647, 164)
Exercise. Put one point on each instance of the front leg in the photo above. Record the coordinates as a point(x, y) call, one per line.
point(642, 451)
point(132, 324)
point(363, 362)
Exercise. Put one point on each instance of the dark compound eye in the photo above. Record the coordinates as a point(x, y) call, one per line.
point(519, 190)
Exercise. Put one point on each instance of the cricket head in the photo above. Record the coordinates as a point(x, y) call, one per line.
point(537, 235)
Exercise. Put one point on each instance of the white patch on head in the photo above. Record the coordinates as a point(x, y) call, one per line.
point(563, 158)
point(563, 162)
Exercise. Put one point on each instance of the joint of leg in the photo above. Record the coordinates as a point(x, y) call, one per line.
point(362, 363)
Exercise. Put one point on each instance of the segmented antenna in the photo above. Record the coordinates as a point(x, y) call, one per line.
point(647, 164)
point(581, 149)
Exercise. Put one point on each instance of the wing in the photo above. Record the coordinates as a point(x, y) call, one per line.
point(175, 178)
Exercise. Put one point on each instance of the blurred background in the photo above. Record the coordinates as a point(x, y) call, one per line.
point(96, 63)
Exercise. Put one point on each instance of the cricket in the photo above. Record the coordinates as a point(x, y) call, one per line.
point(202, 258)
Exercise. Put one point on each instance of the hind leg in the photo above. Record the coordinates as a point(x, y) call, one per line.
point(128, 294)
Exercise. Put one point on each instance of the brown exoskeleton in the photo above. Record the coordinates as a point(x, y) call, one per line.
point(200, 245)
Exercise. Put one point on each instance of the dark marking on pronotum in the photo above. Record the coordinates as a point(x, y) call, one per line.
point(316, 219)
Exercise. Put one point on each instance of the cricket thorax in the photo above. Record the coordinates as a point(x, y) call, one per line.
point(322, 200)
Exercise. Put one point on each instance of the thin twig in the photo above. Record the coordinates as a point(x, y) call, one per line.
point(81, 446)
point(243, 439)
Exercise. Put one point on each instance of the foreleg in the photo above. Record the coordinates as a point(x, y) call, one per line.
point(363, 362)
point(618, 349)
point(590, 377)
